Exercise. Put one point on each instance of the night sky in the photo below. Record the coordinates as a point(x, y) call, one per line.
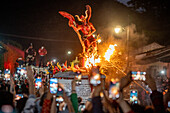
point(38, 22)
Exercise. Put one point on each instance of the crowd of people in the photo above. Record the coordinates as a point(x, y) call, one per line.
point(31, 57)
point(22, 96)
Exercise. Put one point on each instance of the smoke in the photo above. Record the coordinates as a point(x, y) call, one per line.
point(136, 39)
point(118, 61)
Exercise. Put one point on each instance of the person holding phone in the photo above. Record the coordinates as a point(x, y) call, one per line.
point(74, 98)
point(49, 104)
point(53, 85)
point(38, 82)
point(29, 106)
point(95, 77)
point(77, 78)
point(31, 55)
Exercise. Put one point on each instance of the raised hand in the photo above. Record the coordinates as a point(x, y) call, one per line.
point(30, 74)
point(125, 81)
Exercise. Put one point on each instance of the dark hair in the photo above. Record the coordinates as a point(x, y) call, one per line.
point(149, 110)
point(79, 99)
point(6, 98)
point(21, 104)
point(137, 108)
point(94, 69)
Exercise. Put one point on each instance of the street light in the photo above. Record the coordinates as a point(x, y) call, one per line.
point(162, 72)
point(69, 52)
point(119, 29)
point(54, 60)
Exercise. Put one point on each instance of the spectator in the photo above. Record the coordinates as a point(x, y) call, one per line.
point(25, 87)
point(74, 98)
point(6, 102)
point(3, 86)
point(20, 62)
point(31, 55)
point(42, 52)
point(30, 104)
point(16, 87)
point(21, 104)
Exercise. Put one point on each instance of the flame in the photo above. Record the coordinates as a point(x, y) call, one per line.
point(109, 52)
point(91, 61)
point(98, 60)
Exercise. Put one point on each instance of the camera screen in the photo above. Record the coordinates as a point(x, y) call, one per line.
point(53, 85)
point(114, 89)
point(134, 96)
point(138, 75)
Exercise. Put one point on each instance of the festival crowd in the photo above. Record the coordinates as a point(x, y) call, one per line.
point(38, 92)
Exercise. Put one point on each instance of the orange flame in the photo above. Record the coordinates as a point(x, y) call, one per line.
point(109, 52)
point(91, 61)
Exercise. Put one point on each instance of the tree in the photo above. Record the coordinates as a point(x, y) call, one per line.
point(155, 8)
point(153, 19)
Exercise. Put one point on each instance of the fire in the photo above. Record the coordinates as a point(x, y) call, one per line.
point(91, 61)
point(98, 60)
point(109, 52)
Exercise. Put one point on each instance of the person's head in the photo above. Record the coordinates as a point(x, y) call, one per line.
point(8, 82)
point(3, 81)
point(94, 70)
point(26, 81)
point(79, 99)
point(137, 108)
point(31, 46)
point(21, 104)
point(20, 58)
point(6, 101)
point(149, 109)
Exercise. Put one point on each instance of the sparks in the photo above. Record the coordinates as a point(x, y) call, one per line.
point(109, 52)
point(91, 61)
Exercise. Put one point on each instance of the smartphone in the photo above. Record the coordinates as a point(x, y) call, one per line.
point(78, 79)
point(38, 82)
point(95, 80)
point(53, 85)
point(7, 74)
point(114, 89)
point(95, 76)
point(82, 107)
point(137, 75)
point(18, 96)
point(134, 96)
point(168, 104)
point(59, 99)
point(59, 92)
point(23, 71)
